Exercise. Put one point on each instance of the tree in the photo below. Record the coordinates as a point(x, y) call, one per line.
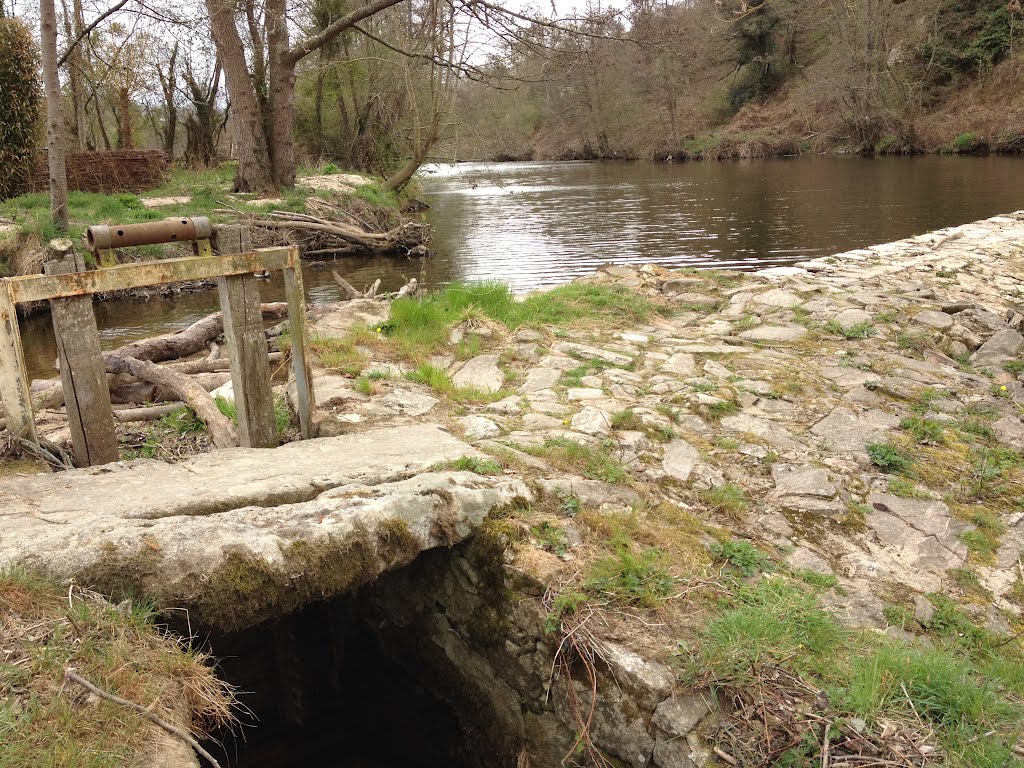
point(54, 116)
point(265, 125)
point(19, 108)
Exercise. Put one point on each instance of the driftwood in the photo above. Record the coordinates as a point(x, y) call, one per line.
point(409, 289)
point(198, 399)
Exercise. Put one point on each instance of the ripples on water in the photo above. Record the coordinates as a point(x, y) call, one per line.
point(534, 223)
point(531, 224)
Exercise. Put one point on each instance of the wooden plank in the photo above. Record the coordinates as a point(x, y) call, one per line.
point(82, 372)
point(247, 345)
point(14, 382)
point(305, 398)
point(126, 276)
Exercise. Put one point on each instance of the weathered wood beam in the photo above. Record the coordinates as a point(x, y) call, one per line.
point(247, 346)
point(305, 398)
point(14, 383)
point(82, 373)
point(127, 276)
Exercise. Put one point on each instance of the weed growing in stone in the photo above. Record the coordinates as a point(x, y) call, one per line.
point(471, 464)
point(743, 556)
point(858, 331)
point(889, 458)
point(639, 580)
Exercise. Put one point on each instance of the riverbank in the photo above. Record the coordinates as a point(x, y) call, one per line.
point(350, 213)
point(765, 517)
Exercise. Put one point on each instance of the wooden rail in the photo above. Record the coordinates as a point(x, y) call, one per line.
point(70, 288)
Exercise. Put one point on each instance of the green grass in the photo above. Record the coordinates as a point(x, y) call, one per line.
point(471, 464)
point(421, 325)
point(628, 420)
point(728, 499)
point(924, 430)
point(579, 459)
point(899, 486)
point(965, 684)
point(208, 190)
point(639, 580)
point(439, 380)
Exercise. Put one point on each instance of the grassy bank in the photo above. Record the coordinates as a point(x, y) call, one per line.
point(46, 719)
point(187, 192)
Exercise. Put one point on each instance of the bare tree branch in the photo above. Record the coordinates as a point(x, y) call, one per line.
point(88, 30)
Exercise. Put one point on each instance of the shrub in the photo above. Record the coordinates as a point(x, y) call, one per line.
point(19, 107)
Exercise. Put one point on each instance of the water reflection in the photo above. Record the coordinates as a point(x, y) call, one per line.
point(530, 224)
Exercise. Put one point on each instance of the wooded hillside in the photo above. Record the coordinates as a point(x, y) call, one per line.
point(730, 78)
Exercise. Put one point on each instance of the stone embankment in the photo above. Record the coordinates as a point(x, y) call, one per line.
point(858, 417)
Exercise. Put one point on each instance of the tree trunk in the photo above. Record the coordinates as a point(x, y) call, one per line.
point(282, 96)
point(54, 116)
point(254, 169)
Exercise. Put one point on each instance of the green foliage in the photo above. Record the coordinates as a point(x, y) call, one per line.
point(970, 39)
point(899, 486)
point(816, 579)
point(742, 555)
point(627, 419)
point(19, 105)
point(551, 538)
point(595, 463)
point(764, 623)
point(889, 458)
point(629, 579)
point(965, 683)
point(472, 464)
point(924, 430)
point(761, 67)
point(966, 142)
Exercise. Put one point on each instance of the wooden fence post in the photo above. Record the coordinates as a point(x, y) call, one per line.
point(295, 292)
point(247, 346)
point(14, 390)
point(82, 372)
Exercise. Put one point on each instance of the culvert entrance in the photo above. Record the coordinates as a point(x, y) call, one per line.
point(341, 683)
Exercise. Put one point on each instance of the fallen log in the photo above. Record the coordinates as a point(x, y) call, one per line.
point(149, 392)
point(191, 340)
point(152, 413)
point(222, 432)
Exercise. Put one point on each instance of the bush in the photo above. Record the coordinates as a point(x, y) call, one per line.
point(19, 107)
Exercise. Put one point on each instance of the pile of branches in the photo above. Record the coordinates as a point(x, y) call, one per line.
point(122, 170)
point(331, 229)
point(777, 712)
point(163, 370)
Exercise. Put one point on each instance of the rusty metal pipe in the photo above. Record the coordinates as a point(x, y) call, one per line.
point(100, 237)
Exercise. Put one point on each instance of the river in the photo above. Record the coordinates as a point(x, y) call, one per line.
point(530, 224)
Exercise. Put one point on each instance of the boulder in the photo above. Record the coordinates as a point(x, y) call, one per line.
point(1004, 347)
point(343, 317)
point(481, 373)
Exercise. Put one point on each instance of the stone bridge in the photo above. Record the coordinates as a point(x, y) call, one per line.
point(242, 535)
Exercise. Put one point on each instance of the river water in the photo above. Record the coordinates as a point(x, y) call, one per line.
point(531, 224)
